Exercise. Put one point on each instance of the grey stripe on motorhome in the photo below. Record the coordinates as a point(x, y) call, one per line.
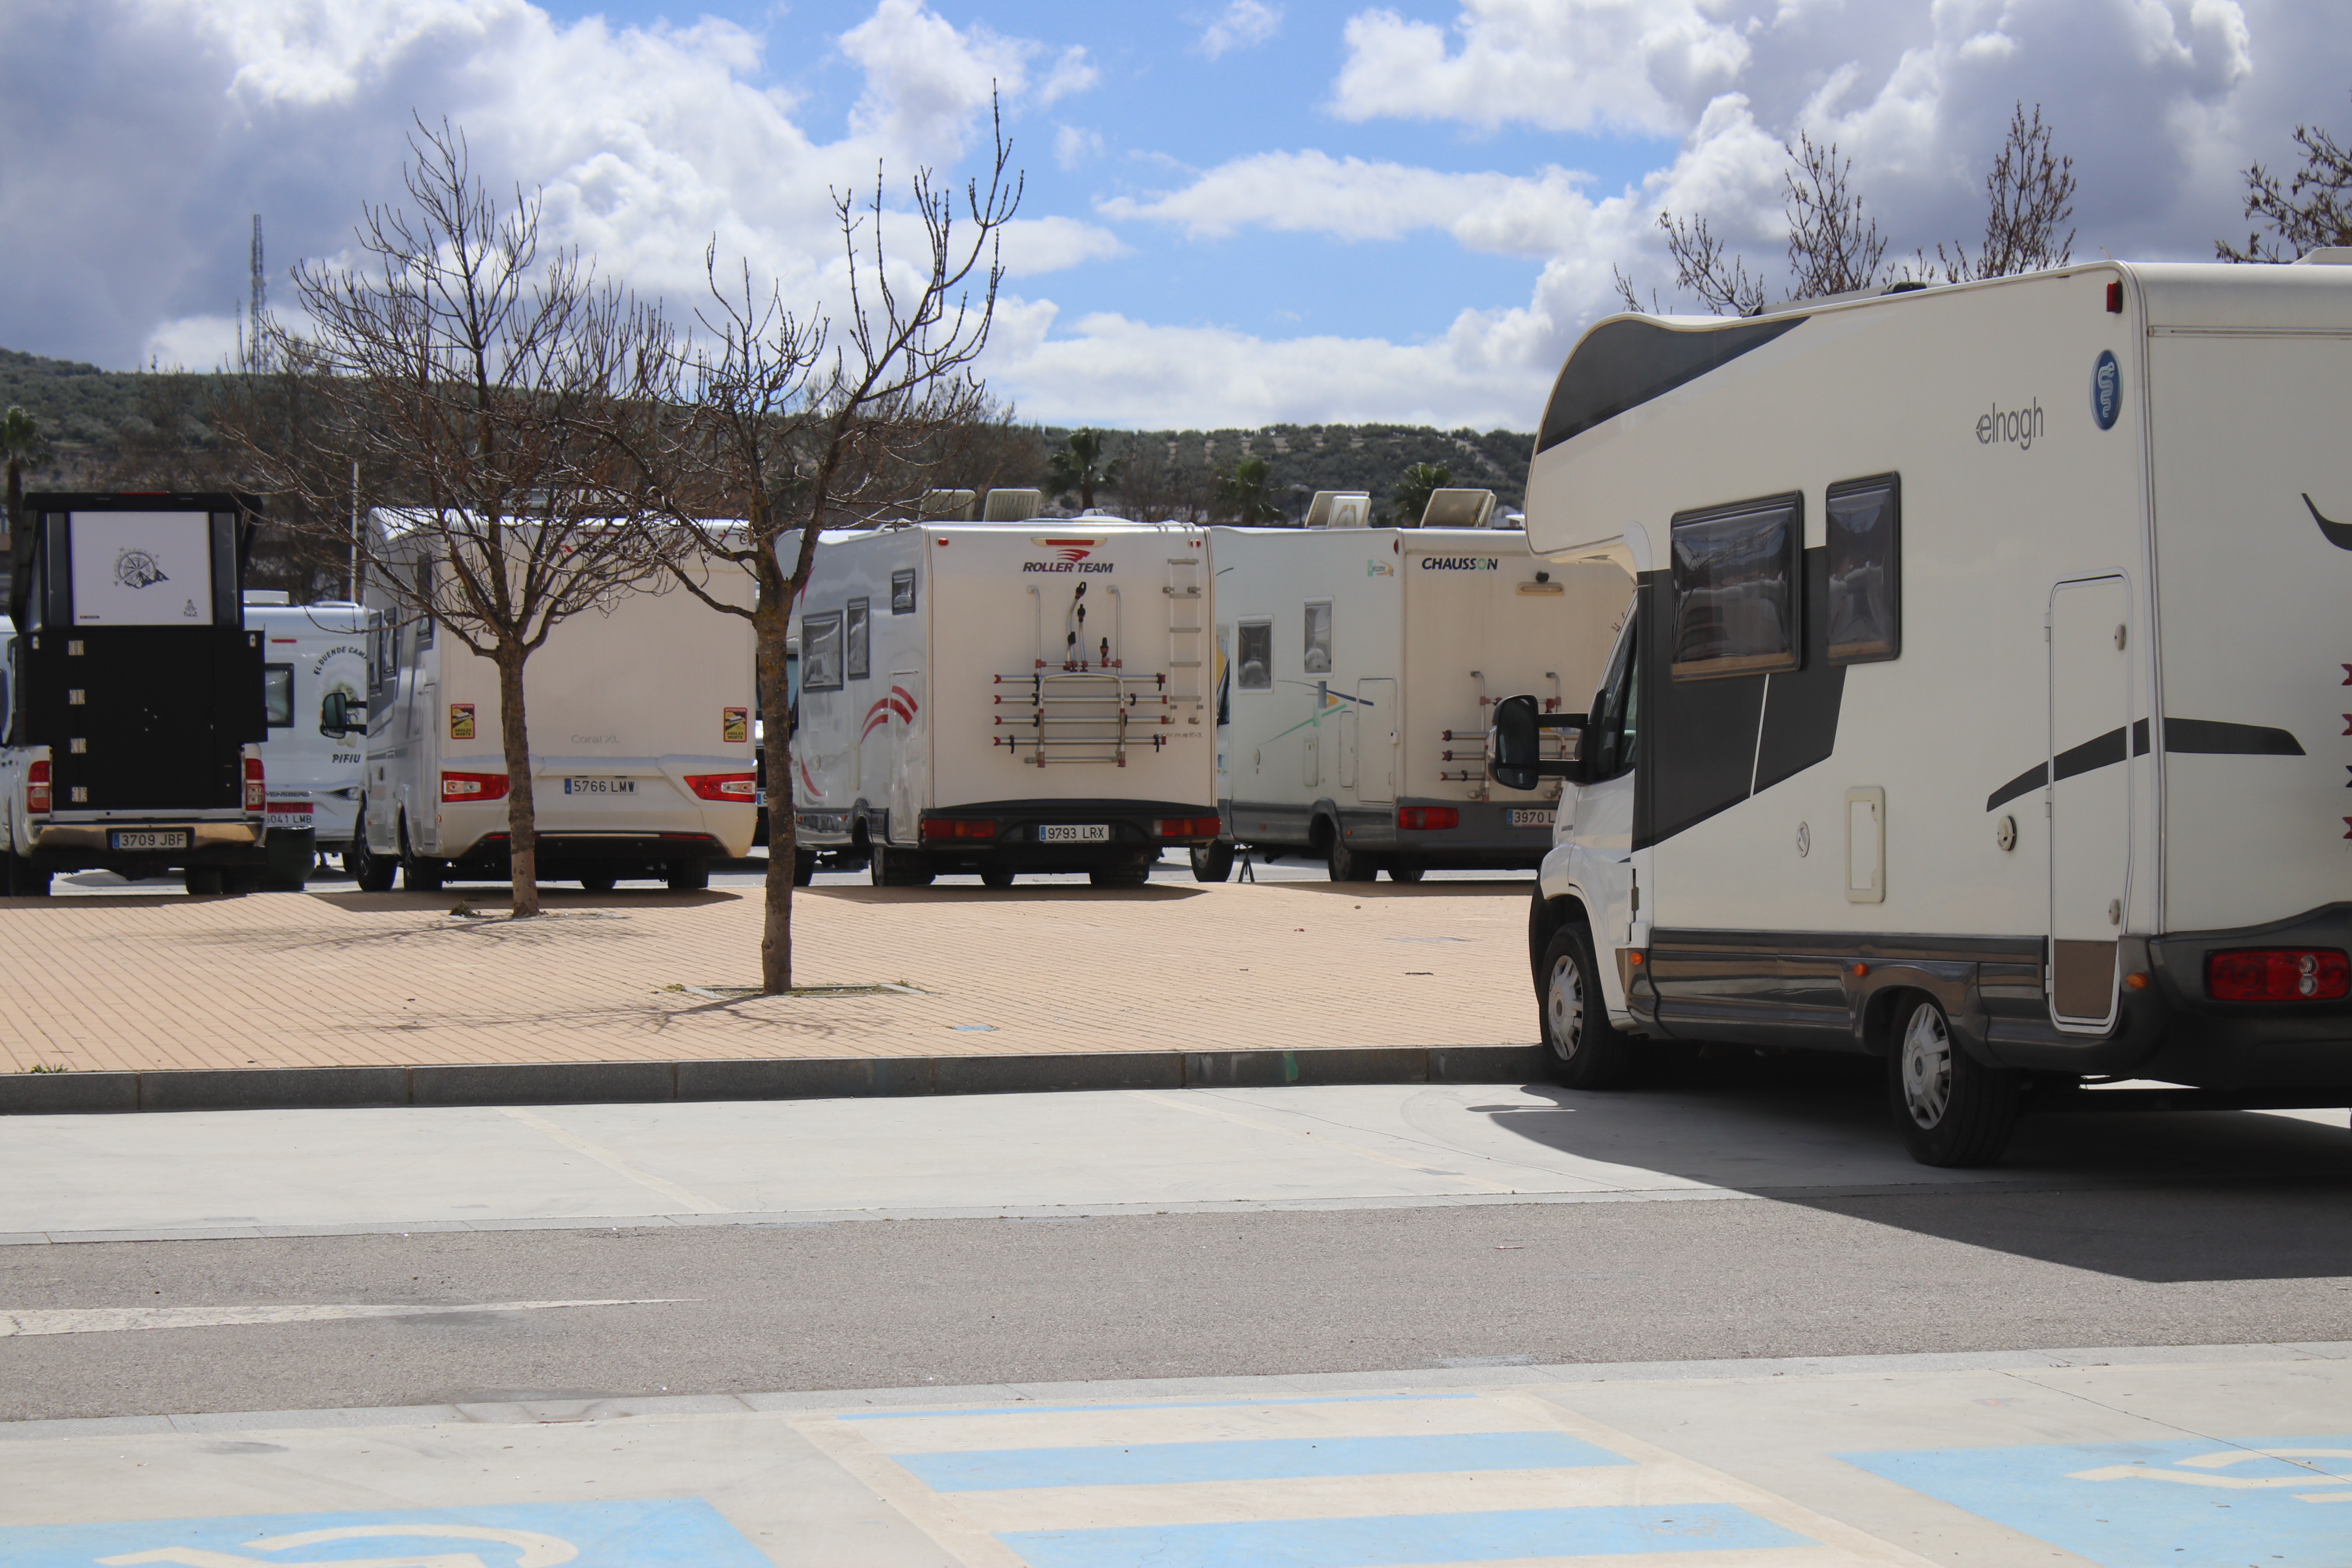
point(2182, 737)
point(2339, 534)
point(1624, 365)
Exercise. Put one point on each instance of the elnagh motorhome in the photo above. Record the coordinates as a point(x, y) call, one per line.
point(1983, 704)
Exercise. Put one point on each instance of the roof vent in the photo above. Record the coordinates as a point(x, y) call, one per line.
point(1458, 509)
point(268, 596)
point(1011, 506)
point(2327, 256)
point(947, 506)
point(1340, 509)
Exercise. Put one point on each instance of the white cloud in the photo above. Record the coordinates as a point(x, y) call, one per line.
point(1073, 72)
point(1076, 145)
point(1242, 25)
point(1035, 245)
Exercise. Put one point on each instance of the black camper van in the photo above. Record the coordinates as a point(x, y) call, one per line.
point(134, 693)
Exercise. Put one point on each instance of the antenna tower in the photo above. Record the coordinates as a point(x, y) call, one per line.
point(260, 292)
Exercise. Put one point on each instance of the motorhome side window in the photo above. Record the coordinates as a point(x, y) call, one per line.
point(1318, 638)
point(1612, 724)
point(278, 695)
point(1254, 658)
point(1865, 561)
point(1225, 675)
point(902, 591)
point(1736, 596)
point(820, 652)
point(424, 596)
point(861, 663)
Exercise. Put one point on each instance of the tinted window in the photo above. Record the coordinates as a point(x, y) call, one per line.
point(277, 694)
point(1865, 587)
point(1736, 588)
point(1255, 661)
point(861, 663)
point(1224, 676)
point(1318, 638)
point(821, 653)
point(1611, 726)
point(902, 591)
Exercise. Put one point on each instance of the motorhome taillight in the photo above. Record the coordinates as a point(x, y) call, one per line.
point(1428, 816)
point(959, 828)
point(739, 789)
point(37, 789)
point(2279, 974)
point(473, 787)
point(2114, 299)
point(256, 787)
point(1189, 827)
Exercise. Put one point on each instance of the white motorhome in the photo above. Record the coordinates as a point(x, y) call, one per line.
point(1357, 669)
point(1005, 697)
point(310, 652)
point(1982, 706)
point(640, 716)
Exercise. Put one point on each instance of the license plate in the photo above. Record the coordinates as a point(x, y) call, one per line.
point(1089, 832)
point(600, 787)
point(176, 838)
point(1531, 816)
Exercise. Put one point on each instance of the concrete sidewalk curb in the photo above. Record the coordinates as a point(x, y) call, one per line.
point(781, 1077)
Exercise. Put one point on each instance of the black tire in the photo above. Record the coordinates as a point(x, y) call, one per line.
point(1344, 864)
point(1587, 1051)
point(1120, 875)
point(418, 875)
point(889, 868)
point(804, 867)
point(1211, 862)
point(372, 872)
point(1953, 1111)
point(203, 881)
point(600, 881)
point(688, 876)
point(1407, 873)
point(997, 876)
point(24, 879)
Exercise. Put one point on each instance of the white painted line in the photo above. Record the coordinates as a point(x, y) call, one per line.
point(107, 1320)
point(695, 1203)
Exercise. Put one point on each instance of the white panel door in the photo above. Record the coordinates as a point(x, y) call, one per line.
point(1376, 741)
point(2089, 793)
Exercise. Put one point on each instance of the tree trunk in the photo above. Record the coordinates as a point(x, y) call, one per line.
point(772, 626)
point(523, 819)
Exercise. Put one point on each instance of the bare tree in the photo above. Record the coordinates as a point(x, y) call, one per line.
point(1833, 248)
point(2312, 210)
point(472, 376)
point(1719, 277)
point(789, 423)
point(2029, 194)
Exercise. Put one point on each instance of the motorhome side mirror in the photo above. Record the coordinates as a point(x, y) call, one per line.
point(1514, 756)
point(337, 717)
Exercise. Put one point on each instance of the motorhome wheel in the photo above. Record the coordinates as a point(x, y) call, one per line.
point(24, 881)
point(998, 877)
point(600, 882)
point(888, 868)
point(1587, 1051)
point(421, 876)
point(1345, 865)
point(804, 867)
point(1211, 862)
point(1120, 875)
point(688, 876)
point(1407, 873)
point(1952, 1109)
point(372, 872)
point(202, 881)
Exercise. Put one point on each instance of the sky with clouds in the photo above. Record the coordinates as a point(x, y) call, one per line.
point(1237, 212)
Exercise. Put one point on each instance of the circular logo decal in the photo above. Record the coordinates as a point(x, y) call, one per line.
point(2106, 390)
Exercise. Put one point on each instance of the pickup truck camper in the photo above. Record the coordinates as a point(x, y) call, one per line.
point(1982, 709)
point(134, 693)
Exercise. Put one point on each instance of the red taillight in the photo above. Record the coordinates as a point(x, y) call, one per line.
point(257, 791)
point(1428, 816)
point(473, 787)
point(2279, 974)
point(1189, 827)
point(36, 790)
point(2114, 299)
point(959, 828)
point(737, 788)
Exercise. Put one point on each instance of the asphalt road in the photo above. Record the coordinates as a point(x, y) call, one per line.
point(902, 1303)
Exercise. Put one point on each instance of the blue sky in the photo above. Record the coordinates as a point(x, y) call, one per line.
point(1238, 212)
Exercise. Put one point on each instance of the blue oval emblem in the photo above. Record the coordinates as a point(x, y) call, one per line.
point(2106, 390)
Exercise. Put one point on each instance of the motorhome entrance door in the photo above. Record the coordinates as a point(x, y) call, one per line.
point(2089, 794)
point(1376, 736)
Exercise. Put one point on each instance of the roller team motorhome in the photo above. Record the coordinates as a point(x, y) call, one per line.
point(641, 732)
point(134, 693)
point(1003, 697)
point(311, 653)
point(1983, 704)
point(1358, 665)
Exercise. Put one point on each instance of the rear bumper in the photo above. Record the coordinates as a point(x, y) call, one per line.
point(562, 855)
point(1483, 837)
point(2242, 1045)
point(89, 845)
point(1018, 842)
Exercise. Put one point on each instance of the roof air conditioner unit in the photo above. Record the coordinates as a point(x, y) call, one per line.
point(1340, 509)
point(947, 506)
point(1458, 509)
point(1013, 505)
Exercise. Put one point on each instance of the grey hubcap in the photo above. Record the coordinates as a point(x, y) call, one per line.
point(1564, 1007)
point(1926, 1067)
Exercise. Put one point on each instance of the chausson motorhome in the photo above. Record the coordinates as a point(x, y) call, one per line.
point(1003, 697)
point(134, 693)
point(640, 718)
point(1352, 698)
point(311, 653)
point(1984, 706)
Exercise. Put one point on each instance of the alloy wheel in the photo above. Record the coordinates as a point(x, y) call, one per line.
point(1564, 1007)
point(1927, 1066)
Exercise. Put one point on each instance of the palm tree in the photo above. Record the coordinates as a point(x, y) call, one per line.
point(1078, 466)
point(1246, 494)
point(1410, 498)
point(20, 443)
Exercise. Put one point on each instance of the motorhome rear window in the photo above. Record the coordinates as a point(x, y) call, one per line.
point(1319, 637)
point(821, 653)
point(1735, 576)
point(278, 695)
point(857, 630)
point(902, 591)
point(1865, 560)
point(1253, 663)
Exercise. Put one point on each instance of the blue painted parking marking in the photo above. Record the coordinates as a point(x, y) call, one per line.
point(675, 1532)
point(1237, 1459)
point(1161, 1405)
point(1400, 1540)
point(2277, 1502)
